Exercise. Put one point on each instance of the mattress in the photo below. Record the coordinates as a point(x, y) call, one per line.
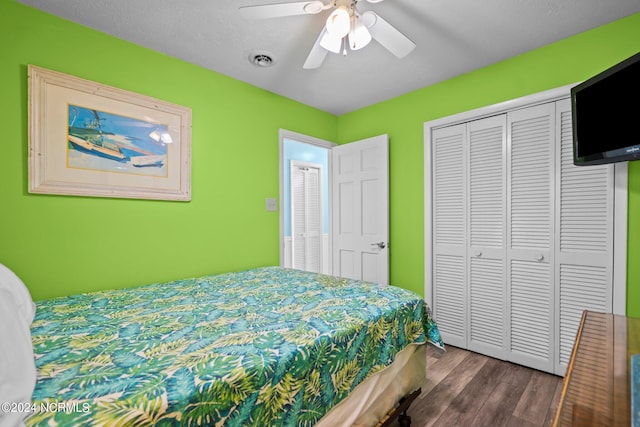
point(261, 347)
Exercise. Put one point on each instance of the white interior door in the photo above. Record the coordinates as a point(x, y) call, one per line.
point(306, 216)
point(360, 209)
point(584, 235)
point(486, 227)
point(448, 267)
point(530, 222)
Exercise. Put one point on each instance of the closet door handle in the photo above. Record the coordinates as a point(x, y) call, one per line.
point(477, 253)
point(539, 257)
point(380, 245)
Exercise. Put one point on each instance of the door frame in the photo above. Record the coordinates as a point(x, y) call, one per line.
point(306, 139)
point(619, 291)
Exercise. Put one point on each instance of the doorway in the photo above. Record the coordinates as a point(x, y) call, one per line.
point(302, 246)
point(355, 205)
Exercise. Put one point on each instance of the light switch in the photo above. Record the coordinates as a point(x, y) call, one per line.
point(272, 205)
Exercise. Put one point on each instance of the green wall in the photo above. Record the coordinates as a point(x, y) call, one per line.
point(62, 245)
point(402, 118)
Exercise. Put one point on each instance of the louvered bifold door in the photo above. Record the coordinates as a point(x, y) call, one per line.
point(306, 222)
point(487, 235)
point(449, 233)
point(298, 218)
point(530, 290)
point(584, 239)
point(313, 221)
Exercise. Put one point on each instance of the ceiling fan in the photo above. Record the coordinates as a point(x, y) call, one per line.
point(346, 27)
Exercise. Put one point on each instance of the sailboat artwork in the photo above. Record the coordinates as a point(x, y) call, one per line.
point(97, 140)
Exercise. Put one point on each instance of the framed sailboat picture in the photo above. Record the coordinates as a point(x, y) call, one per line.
point(89, 139)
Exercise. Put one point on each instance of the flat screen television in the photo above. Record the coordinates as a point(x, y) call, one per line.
point(606, 115)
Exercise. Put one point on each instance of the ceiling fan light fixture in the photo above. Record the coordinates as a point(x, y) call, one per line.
point(339, 22)
point(330, 42)
point(359, 36)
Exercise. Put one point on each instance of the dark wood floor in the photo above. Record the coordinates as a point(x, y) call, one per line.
point(468, 389)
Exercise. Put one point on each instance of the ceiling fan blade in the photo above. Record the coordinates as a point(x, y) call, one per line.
point(277, 10)
point(317, 54)
point(387, 35)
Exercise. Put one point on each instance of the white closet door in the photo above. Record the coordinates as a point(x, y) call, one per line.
point(584, 238)
point(487, 235)
point(531, 143)
point(298, 217)
point(306, 217)
point(522, 238)
point(314, 222)
point(449, 233)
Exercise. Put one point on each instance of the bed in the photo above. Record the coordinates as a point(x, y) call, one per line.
point(262, 347)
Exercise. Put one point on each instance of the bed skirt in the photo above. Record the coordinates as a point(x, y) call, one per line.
point(378, 394)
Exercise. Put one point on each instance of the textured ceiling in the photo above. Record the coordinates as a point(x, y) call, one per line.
point(452, 37)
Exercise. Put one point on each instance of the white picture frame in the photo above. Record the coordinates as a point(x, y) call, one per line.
point(90, 139)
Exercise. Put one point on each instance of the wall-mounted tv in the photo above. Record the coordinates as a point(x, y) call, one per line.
point(606, 115)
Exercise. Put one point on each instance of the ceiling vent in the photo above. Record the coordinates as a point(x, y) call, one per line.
point(261, 60)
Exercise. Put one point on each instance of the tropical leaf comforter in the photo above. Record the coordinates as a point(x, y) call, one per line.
point(263, 347)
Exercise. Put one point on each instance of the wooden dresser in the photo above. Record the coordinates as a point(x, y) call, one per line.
point(597, 386)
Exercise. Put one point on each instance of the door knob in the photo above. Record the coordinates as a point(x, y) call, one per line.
point(380, 245)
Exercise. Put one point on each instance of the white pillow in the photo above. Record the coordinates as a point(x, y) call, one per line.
point(17, 365)
point(21, 295)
